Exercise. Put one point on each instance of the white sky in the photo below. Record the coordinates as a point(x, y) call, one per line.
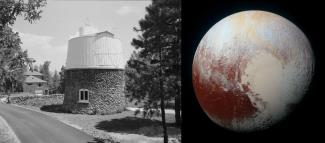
point(47, 39)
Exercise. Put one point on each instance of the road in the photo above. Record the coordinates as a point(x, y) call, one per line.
point(34, 127)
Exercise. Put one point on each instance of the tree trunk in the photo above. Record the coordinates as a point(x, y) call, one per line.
point(10, 91)
point(8, 98)
point(178, 110)
point(163, 118)
point(162, 98)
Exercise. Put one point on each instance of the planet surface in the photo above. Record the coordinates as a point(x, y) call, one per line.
point(251, 69)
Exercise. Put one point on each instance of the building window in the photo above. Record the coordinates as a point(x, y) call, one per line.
point(84, 96)
point(46, 91)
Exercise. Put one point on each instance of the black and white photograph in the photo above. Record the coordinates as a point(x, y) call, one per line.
point(90, 71)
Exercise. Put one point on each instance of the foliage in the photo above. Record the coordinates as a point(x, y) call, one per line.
point(35, 68)
point(55, 82)
point(13, 60)
point(153, 71)
point(61, 83)
point(45, 70)
point(160, 30)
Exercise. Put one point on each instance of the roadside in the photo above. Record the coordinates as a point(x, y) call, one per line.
point(124, 127)
point(6, 133)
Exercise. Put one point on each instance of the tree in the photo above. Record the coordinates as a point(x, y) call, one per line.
point(153, 71)
point(13, 59)
point(61, 85)
point(35, 68)
point(56, 82)
point(45, 70)
point(18, 86)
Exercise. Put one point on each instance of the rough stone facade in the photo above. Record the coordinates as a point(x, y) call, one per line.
point(38, 101)
point(106, 90)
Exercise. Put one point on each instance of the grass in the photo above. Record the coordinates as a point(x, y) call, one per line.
point(125, 127)
point(136, 125)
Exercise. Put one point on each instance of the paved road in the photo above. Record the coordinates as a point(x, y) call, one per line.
point(33, 127)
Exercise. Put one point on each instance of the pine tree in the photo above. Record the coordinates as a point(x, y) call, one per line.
point(153, 72)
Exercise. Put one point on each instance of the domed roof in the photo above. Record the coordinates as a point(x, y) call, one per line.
point(100, 50)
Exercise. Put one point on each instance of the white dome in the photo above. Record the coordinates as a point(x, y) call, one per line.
point(99, 50)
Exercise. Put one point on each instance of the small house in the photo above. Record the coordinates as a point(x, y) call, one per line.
point(34, 83)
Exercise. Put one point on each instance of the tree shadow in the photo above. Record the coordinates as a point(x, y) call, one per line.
point(136, 125)
point(98, 140)
point(56, 108)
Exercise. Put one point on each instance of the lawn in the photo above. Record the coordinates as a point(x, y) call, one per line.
point(124, 127)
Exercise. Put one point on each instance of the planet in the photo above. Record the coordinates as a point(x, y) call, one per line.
point(251, 69)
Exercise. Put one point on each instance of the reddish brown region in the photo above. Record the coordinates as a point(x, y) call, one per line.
point(225, 105)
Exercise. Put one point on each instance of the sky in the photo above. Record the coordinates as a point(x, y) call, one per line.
point(47, 38)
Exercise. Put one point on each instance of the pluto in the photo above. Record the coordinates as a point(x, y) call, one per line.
point(251, 69)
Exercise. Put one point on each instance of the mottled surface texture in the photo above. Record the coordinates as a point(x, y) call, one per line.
point(250, 69)
point(106, 90)
point(37, 100)
point(34, 86)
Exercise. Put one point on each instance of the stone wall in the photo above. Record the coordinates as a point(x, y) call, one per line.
point(106, 90)
point(37, 101)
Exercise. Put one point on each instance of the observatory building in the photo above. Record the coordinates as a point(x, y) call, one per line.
point(94, 73)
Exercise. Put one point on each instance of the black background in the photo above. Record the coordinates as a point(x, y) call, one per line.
point(305, 124)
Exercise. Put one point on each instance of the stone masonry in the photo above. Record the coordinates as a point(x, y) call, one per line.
point(106, 90)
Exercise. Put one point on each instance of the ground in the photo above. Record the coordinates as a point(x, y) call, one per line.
point(6, 134)
point(123, 127)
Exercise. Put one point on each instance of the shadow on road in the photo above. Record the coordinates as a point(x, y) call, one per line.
point(98, 140)
point(136, 125)
point(56, 108)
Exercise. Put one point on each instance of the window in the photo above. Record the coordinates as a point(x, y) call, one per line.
point(46, 91)
point(84, 96)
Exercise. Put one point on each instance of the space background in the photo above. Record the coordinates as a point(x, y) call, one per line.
point(306, 122)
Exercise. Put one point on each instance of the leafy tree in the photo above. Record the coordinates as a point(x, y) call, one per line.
point(153, 71)
point(61, 85)
point(13, 59)
point(18, 85)
point(35, 68)
point(10, 9)
point(45, 70)
point(56, 82)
